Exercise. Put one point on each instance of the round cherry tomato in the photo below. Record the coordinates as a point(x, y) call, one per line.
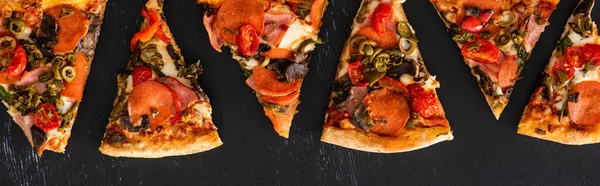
point(423, 101)
point(481, 50)
point(141, 74)
point(564, 67)
point(575, 56)
point(380, 18)
point(46, 117)
point(592, 53)
point(247, 40)
point(472, 24)
point(17, 63)
point(357, 77)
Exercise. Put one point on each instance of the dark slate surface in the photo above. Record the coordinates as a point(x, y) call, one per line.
point(484, 151)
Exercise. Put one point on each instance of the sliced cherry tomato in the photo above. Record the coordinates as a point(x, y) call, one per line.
point(247, 40)
point(485, 16)
point(392, 84)
point(481, 50)
point(592, 53)
point(46, 117)
point(356, 74)
point(380, 18)
point(575, 56)
point(17, 63)
point(564, 67)
point(472, 24)
point(424, 102)
point(141, 74)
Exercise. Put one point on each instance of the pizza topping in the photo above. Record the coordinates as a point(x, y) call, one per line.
point(592, 53)
point(388, 111)
point(72, 26)
point(355, 72)
point(282, 100)
point(153, 100)
point(215, 39)
point(265, 82)
point(234, 14)
point(185, 95)
point(507, 73)
point(46, 117)
point(472, 24)
point(575, 56)
point(562, 69)
point(17, 64)
point(392, 84)
point(481, 50)
point(279, 53)
point(424, 102)
point(584, 112)
point(381, 17)
point(74, 89)
point(247, 40)
point(507, 18)
point(384, 40)
point(16, 26)
point(141, 74)
point(276, 25)
point(317, 9)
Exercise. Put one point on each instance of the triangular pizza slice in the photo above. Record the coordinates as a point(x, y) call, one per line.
point(564, 108)
point(272, 41)
point(46, 53)
point(160, 109)
point(496, 38)
point(384, 99)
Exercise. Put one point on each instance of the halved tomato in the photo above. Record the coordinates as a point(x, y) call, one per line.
point(481, 50)
point(356, 74)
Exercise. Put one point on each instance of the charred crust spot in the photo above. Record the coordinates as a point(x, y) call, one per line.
point(540, 131)
point(145, 122)
point(116, 137)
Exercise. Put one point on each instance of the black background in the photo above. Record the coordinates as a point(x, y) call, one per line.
point(484, 152)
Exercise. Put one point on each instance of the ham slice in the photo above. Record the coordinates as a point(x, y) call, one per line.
point(533, 32)
point(186, 95)
point(276, 25)
point(357, 94)
point(25, 122)
point(215, 40)
point(30, 77)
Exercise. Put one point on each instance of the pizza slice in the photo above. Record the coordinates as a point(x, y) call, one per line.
point(564, 107)
point(272, 41)
point(496, 37)
point(383, 98)
point(160, 109)
point(45, 56)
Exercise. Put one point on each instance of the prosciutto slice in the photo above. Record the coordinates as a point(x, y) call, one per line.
point(30, 77)
point(186, 95)
point(215, 40)
point(276, 25)
point(533, 32)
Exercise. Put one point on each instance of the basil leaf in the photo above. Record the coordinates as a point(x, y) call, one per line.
point(5, 96)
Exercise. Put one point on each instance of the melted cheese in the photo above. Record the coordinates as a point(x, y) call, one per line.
point(297, 32)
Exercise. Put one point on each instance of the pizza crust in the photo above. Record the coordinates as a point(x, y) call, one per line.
point(565, 135)
point(409, 139)
point(191, 144)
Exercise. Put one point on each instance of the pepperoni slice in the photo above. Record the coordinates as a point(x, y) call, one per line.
point(149, 96)
point(507, 73)
point(583, 103)
point(265, 82)
point(233, 14)
point(74, 89)
point(384, 104)
point(72, 26)
point(385, 40)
